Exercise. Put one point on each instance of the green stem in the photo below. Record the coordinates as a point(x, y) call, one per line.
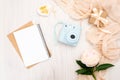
point(94, 76)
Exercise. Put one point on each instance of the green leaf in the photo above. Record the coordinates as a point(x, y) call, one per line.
point(103, 67)
point(84, 71)
point(81, 64)
point(81, 71)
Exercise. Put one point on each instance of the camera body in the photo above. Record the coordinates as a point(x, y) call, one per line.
point(70, 34)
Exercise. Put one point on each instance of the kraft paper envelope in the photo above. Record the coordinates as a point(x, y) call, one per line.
point(13, 41)
point(12, 38)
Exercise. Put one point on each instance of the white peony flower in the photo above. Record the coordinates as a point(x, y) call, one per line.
point(90, 58)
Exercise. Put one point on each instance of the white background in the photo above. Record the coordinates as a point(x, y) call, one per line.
point(61, 66)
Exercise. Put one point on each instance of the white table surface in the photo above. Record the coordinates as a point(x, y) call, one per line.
point(61, 66)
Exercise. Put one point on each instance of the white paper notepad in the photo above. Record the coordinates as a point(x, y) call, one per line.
point(31, 45)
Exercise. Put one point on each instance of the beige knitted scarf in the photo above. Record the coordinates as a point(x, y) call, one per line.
point(106, 44)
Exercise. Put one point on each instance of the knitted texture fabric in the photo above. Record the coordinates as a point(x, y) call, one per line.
point(105, 43)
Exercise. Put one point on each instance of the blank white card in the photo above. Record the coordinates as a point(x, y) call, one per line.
point(31, 45)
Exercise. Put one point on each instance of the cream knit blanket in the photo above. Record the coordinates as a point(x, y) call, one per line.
point(105, 43)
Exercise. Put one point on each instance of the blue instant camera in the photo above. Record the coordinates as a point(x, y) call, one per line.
point(70, 34)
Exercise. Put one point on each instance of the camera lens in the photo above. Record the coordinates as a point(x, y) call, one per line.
point(72, 36)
